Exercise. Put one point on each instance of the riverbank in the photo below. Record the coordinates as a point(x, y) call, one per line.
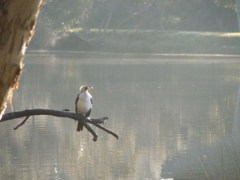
point(106, 56)
point(151, 41)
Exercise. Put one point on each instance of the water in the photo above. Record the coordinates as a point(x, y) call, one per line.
point(175, 118)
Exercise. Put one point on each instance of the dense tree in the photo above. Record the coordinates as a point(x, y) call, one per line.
point(61, 16)
point(233, 4)
point(140, 14)
point(226, 3)
point(238, 12)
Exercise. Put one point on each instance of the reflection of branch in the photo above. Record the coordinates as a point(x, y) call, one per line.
point(66, 114)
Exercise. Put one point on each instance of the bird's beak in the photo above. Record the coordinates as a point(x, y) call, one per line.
point(90, 88)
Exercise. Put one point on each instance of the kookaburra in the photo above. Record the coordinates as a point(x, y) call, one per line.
point(83, 104)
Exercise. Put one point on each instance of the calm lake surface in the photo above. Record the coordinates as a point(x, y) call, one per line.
point(177, 118)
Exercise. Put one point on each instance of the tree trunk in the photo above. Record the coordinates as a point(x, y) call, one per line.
point(17, 24)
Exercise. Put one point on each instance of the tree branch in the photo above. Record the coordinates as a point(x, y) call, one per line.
point(66, 114)
point(22, 123)
point(104, 129)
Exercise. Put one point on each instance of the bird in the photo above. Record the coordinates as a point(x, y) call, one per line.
point(83, 104)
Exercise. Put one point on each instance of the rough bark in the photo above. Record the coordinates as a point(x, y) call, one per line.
point(17, 24)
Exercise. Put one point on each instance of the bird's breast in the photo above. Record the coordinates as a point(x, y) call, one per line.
point(84, 104)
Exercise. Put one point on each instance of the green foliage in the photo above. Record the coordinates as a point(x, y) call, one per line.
point(225, 3)
point(42, 39)
point(61, 15)
point(151, 41)
point(73, 42)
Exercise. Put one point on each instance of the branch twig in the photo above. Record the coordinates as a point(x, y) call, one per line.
point(22, 123)
point(66, 114)
point(104, 129)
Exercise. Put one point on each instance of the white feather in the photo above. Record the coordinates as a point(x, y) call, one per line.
point(84, 103)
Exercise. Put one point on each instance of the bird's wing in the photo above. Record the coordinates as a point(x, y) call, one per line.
point(76, 101)
point(88, 113)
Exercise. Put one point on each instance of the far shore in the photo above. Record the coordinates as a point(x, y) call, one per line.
point(106, 56)
point(143, 42)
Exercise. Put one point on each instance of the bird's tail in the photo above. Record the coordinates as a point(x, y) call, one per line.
point(79, 126)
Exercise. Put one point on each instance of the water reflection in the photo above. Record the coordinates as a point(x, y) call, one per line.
point(215, 160)
point(161, 111)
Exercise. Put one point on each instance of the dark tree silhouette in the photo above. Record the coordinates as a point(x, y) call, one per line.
point(66, 114)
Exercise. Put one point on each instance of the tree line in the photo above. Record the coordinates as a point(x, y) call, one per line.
point(198, 15)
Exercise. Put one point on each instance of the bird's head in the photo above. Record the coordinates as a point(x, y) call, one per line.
point(85, 88)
